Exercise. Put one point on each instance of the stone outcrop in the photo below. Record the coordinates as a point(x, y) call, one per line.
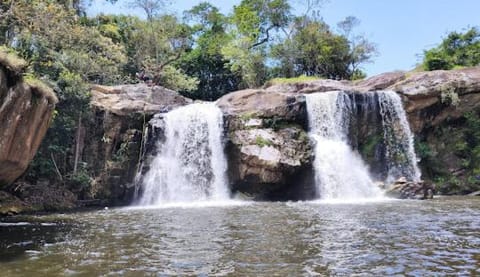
point(403, 189)
point(268, 146)
point(140, 98)
point(26, 109)
point(431, 100)
point(115, 139)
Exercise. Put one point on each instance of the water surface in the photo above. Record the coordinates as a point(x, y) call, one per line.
point(415, 238)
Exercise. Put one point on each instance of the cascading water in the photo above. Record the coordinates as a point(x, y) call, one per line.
point(190, 165)
point(337, 119)
point(340, 172)
point(398, 138)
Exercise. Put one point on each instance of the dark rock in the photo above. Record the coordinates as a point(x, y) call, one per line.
point(476, 193)
point(404, 189)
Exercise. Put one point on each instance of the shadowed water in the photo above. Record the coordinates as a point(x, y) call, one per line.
point(439, 237)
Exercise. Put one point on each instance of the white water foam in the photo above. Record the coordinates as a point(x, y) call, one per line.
point(191, 164)
point(399, 142)
point(340, 173)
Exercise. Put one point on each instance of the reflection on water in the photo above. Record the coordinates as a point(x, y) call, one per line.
point(439, 237)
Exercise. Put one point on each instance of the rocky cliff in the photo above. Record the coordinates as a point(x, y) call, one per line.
point(269, 152)
point(26, 108)
point(115, 140)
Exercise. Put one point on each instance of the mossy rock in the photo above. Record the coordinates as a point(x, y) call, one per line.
point(11, 61)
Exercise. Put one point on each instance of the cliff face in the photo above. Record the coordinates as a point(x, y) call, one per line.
point(26, 109)
point(269, 152)
point(114, 140)
point(442, 107)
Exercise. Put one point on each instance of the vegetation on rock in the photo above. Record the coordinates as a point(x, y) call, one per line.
point(456, 50)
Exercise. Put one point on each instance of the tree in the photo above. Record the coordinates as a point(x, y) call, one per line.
point(254, 25)
point(205, 61)
point(151, 7)
point(457, 49)
point(256, 19)
point(361, 49)
point(313, 50)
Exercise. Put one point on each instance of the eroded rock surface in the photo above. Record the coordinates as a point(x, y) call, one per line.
point(116, 138)
point(403, 189)
point(26, 109)
point(267, 141)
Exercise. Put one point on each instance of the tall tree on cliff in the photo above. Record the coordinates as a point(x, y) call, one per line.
point(159, 43)
point(205, 61)
point(313, 50)
point(255, 22)
point(361, 49)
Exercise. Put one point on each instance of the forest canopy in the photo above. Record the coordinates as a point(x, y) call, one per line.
point(202, 53)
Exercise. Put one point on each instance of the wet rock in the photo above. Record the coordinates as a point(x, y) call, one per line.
point(403, 189)
point(476, 193)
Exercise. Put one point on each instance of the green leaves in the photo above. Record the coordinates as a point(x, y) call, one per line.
point(457, 49)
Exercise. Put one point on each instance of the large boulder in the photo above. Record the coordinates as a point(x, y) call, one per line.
point(26, 109)
point(268, 148)
point(140, 98)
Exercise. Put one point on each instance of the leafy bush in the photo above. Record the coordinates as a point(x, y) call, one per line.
point(456, 50)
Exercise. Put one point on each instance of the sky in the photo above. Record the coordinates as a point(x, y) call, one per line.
point(401, 29)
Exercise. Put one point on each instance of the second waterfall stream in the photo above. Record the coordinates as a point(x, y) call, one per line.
point(334, 121)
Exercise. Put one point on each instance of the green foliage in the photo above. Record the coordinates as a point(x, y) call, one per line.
point(313, 49)
point(456, 50)
point(449, 96)
point(293, 80)
point(10, 59)
point(260, 141)
point(206, 62)
point(423, 150)
point(255, 19)
point(80, 181)
point(245, 62)
point(175, 79)
point(368, 148)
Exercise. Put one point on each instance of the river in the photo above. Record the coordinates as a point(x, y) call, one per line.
point(415, 238)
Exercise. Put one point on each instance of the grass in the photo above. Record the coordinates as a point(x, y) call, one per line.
point(295, 80)
point(262, 142)
point(41, 88)
point(247, 116)
point(11, 61)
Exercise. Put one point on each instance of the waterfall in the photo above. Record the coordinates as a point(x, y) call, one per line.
point(398, 138)
point(190, 164)
point(340, 172)
point(340, 123)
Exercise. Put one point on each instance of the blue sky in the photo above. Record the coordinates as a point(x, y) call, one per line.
point(401, 29)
